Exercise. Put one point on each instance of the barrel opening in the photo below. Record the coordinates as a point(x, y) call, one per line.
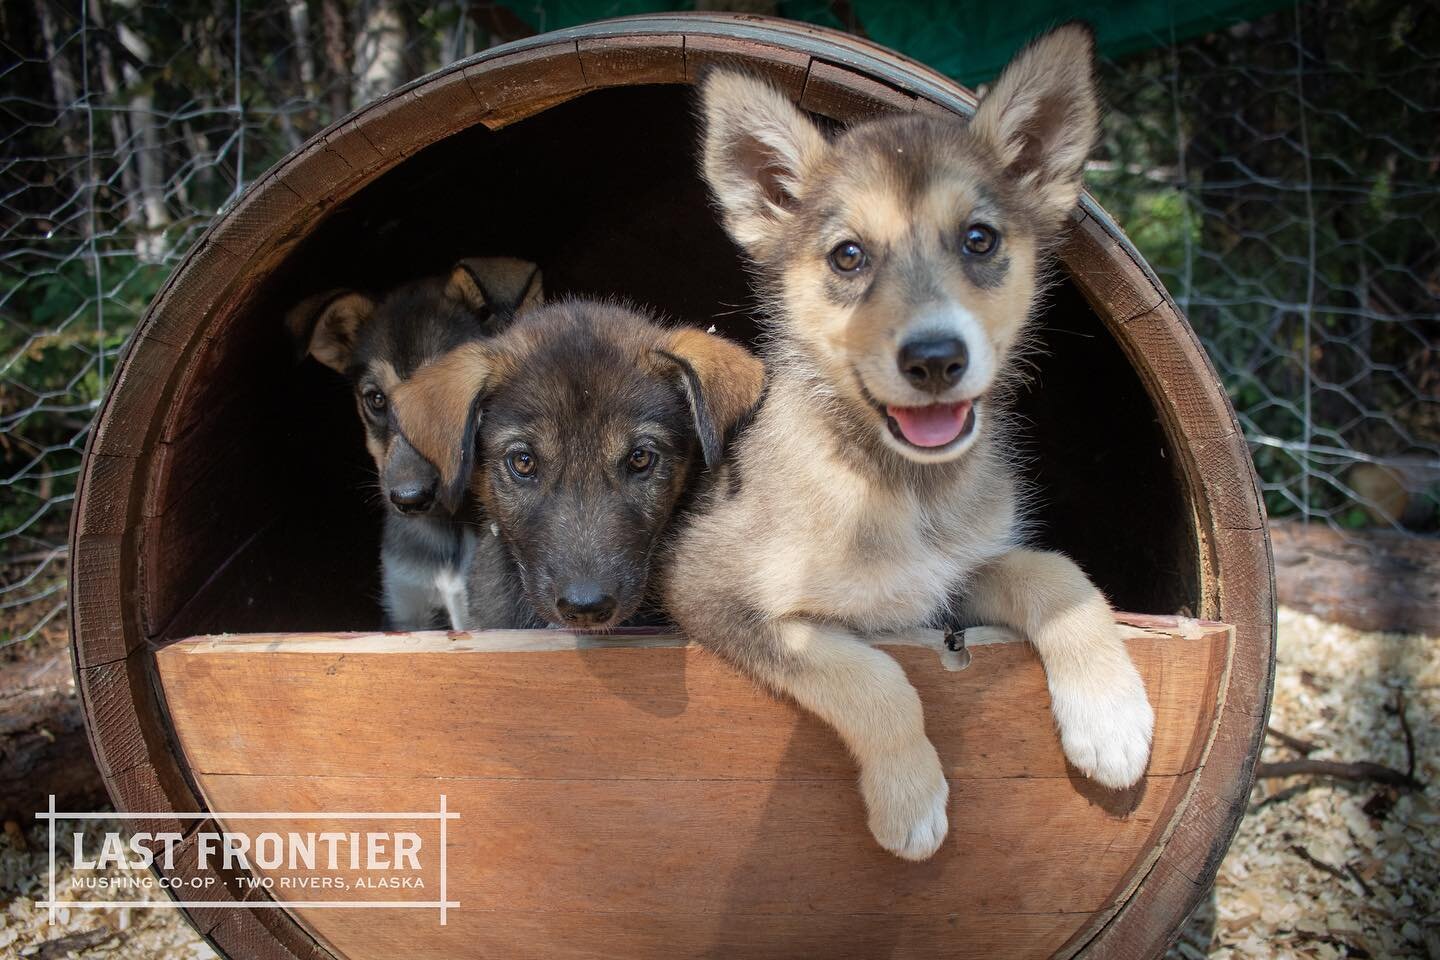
point(268, 515)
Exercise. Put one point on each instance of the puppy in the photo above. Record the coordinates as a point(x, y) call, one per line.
point(377, 345)
point(579, 430)
point(900, 262)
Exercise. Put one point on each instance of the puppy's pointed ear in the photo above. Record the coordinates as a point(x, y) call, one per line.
point(328, 324)
point(758, 150)
point(438, 411)
point(534, 293)
point(723, 383)
point(496, 288)
point(1042, 117)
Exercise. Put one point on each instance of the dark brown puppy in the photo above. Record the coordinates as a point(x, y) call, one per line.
point(376, 344)
point(580, 430)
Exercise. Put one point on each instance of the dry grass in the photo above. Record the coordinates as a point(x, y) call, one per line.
point(1336, 688)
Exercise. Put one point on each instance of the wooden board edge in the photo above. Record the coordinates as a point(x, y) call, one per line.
point(1132, 626)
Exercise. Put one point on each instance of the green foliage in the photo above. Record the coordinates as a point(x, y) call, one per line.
point(58, 337)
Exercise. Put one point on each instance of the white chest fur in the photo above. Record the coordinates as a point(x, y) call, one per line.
point(835, 543)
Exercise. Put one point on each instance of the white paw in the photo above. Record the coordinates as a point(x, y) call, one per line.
point(906, 796)
point(1106, 725)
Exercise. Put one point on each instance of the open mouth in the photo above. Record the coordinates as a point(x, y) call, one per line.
point(931, 427)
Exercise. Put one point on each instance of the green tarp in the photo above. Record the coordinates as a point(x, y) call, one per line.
point(968, 41)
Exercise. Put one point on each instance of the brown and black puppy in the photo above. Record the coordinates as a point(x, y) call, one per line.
point(580, 430)
point(377, 344)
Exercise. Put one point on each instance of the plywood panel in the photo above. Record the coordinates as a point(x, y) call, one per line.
point(635, 797)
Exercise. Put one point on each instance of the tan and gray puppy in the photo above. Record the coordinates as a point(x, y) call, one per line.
point(377, 345)
point(900, 262)
point(580, 431)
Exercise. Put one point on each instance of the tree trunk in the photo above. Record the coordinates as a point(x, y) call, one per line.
point(149, 158)
point(457, 43)
point(119, 127)
point(337, 57)
point(62, 78)
point(66, 93)
point(299, 12)
point(380, 42)
point(1369, 580)
point(43, 747)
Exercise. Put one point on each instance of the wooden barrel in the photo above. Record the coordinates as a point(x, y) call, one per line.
point(223, 493)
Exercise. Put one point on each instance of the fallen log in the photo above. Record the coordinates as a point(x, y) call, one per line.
point(43, 747)
point(1369, 580)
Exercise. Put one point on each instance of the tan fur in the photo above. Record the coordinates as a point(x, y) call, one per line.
point(732, 376)
point(332, 333)
point(481, 281)
point(433, 406)
point(1034, 123)
point(376, 345)
point(839, 528)
point(1093, 684)
point(329, 323)
point(388, 380)
point(761, 135)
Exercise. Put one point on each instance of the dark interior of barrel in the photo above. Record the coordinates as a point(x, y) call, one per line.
point(279, 529)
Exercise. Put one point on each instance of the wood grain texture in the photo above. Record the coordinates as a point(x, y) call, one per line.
point(130, 742)
point(1238, 574)
point(784, 68)
point(614, 61)
point(96, 607)
point(673, 698)
point(645, 785)
point(520, 84)
point(106, 497)
point(1111, 281)
point(268, 207)
point(836, 92)
point(180, 312)
point(135, 400)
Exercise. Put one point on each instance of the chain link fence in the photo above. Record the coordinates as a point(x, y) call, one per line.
point(1279, 173)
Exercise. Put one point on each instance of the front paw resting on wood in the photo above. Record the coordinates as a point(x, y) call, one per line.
point(906, 794)
point(1105, 720)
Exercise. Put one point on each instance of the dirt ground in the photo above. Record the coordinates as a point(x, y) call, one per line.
point(1320, 869)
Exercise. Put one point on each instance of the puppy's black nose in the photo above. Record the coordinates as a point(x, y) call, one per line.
point(413, 497)
point(584, 603)
point(933, 365)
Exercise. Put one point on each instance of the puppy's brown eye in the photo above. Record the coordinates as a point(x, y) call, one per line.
point(375, 401)
point(981, 240)
point(522, 464)
point(640, 460)
point(848, 257)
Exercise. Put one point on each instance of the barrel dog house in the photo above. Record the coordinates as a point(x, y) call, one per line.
point(626, 796)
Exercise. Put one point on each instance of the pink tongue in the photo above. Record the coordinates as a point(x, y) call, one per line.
point(932, 426)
